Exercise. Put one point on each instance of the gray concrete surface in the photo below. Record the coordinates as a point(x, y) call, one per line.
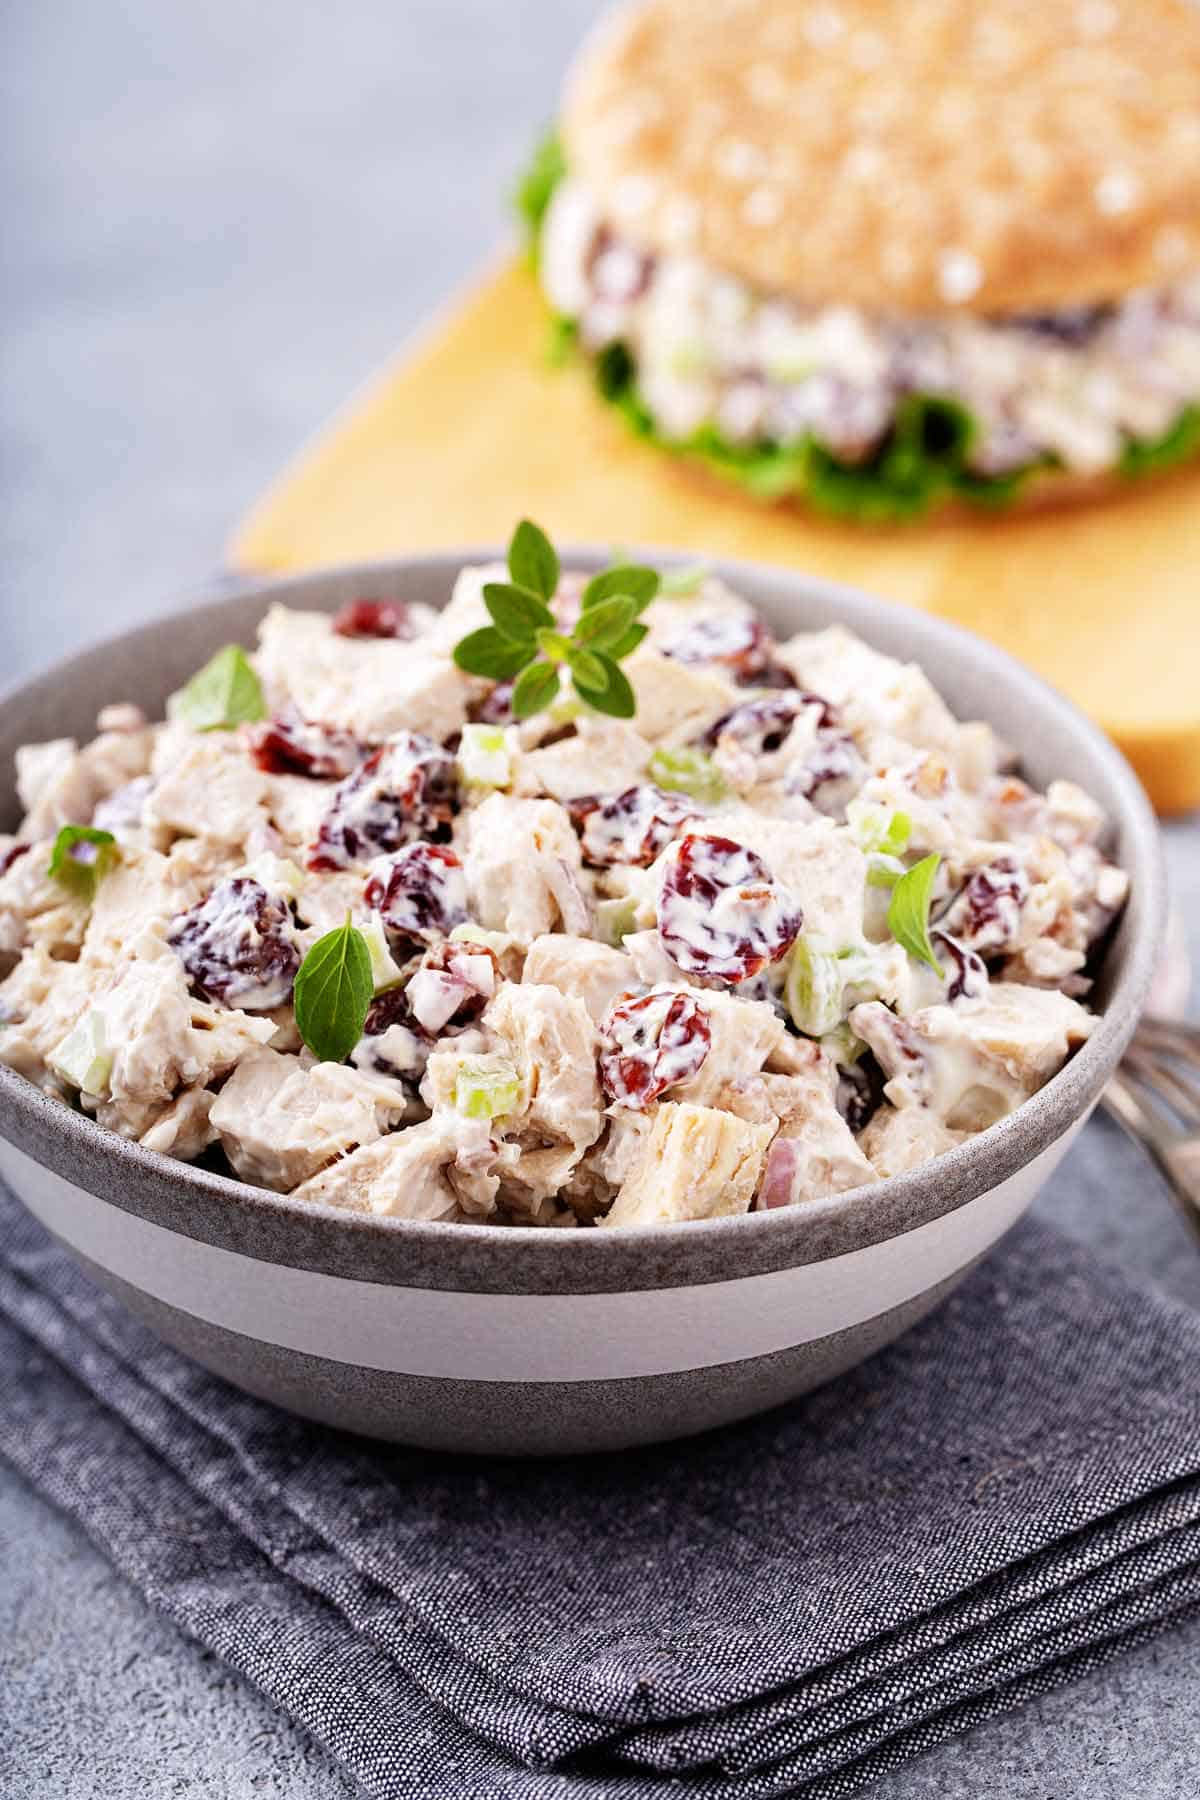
point(218, 219)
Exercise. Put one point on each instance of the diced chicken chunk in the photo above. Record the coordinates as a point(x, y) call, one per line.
point(281, 1121)
point(676, 703)
point(183, 1129)
point(211, 790)
point(971, 1065)
point(815, 1153)
point(580, 966)
point(524, 869)
point(900, 1138)
point(606, 757)
point(401, 1176)
point(551, 1042)
point(370, 686)
point(694, 1163)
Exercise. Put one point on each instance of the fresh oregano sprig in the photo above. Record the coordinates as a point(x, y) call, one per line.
point(908, 911)
point(82, 856)
point(332, 993)
point(525, 644)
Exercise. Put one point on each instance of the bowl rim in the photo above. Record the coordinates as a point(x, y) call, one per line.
point(649, 1255)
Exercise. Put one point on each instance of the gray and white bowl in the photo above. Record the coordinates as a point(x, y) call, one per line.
point(494, 1338)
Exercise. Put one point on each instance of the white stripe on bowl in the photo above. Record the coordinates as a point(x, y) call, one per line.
point(522, 1337)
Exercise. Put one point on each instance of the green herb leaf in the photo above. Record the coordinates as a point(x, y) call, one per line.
point(632, 579)
point(81, 857)
point(628, 642)
point(535, 189)
point(517, 612)
point(224, 693)
point(588, 669)
point(617, 698)
point(333, 990)
point(535, 689)
point(908, 910)
point(606, 624)
point(533, 560)
point(553, 645)
point(487, 652)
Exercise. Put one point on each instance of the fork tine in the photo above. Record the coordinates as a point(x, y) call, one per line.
point(1159, 1075)
point(1172, 1036)
point(1125, 1104)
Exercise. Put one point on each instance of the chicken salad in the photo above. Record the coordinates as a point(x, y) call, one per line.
point(662, 919)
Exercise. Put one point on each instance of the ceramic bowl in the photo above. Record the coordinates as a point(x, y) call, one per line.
point(494, 1338)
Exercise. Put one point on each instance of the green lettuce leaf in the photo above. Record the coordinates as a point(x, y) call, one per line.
point(535, 186)
point(1166, 452)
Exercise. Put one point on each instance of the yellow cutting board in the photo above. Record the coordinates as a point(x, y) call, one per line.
point(469, 429)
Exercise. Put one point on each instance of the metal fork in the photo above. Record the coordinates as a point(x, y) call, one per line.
point(1155, 1096)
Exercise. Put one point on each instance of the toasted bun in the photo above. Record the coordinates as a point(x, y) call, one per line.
point(924, 156)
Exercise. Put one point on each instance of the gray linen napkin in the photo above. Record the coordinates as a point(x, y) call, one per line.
point(1007, 1497)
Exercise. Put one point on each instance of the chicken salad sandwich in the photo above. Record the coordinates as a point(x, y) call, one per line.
point(874, 256)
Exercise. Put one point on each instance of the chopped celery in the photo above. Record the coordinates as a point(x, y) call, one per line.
point(687, 772)
point(615, 919)
point(880, 828)
point(486, 1088)
point(483, 756)
point(279, 873)
point(813, 988)
point(682, 583)
point(884, 871)
point(842, 1046)
point(385, 972)
point(566, 709)
point(83, 1057)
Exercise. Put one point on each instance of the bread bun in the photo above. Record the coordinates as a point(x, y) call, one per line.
point(913, 156)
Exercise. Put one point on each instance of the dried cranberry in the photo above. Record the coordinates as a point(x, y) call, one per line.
point(830, 774)
point(403, 791)
point(387, 1009)
point(496, 706)
point(375, 619)
point(720, 912)
point(859, 1092)
point(290, 745)
point(772, 675)
point(967, 977)
point(736, 641)
point(238, 946)
point(9, 857)
point(391, 1044)
point(420, 892)
point(451, 987)
point(630, 827)
point(985, 914)
point(763, 725)
point(652, 1044)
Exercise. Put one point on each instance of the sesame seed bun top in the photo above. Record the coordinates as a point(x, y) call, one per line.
point(911, 155)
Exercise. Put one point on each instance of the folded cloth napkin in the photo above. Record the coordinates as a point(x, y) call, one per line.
point(1007, 1497)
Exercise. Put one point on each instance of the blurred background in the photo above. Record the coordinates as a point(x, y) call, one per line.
point(219, 220)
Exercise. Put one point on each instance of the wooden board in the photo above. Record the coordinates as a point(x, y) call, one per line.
point(470, 429)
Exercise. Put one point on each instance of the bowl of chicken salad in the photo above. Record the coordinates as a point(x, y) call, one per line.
point(552, 1000)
